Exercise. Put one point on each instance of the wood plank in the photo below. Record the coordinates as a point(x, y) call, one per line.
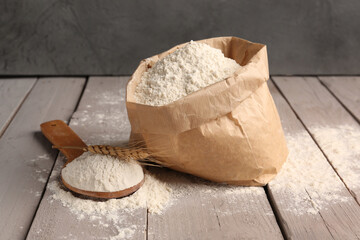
point(60, 222)
point(12, 94)
point(100, 119)
point(304, 209)
point(347, 91)
point(334, 129)
point(213, 211)
point(26, 157)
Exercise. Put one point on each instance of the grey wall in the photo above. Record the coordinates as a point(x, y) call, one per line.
point(110, 37)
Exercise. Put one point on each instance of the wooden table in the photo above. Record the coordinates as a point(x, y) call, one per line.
point(95, 109)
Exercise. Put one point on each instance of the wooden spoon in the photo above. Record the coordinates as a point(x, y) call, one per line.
point(60, 134)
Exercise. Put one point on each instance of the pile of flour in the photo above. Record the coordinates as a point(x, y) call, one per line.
point(188, 69)
point(101, 173)
point(154, 194)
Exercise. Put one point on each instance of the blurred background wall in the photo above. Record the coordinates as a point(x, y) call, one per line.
point(110, 37)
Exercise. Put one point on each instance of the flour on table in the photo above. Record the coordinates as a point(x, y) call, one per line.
point(154, 195)
point(102, 173)
point(342, 147)
point(188, 69)
point(161, 189)
point(40, 157)
point(44, 156)
point(109, 114)
point(42, 179)
point(307, 173)
point(124, 233)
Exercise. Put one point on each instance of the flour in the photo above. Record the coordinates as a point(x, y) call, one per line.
point(42, 180)
point(124, 233)
point(40, 157)
point(154, 195)
point(101, 119)
point(188, 69)
point(162, 189)
point(342, 146)
point(306, 179)
point(101, 173)
point(305, 174)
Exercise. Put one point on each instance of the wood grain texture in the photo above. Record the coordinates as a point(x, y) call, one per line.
point(100, 119)
point(318, 109)
point(347, 90)
point(25, 156)
point(207, 210)
point(12, 94)
point(89, 37)
point(201, 213)
point(338, 220)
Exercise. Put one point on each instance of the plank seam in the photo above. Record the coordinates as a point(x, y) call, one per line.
point(326, 225)
point(279, 220)
point(217, 215)
point(6, 126)
point(317, 144)
point(56, 157)
point(80, 97)
point(339, 100)
point(147, 225)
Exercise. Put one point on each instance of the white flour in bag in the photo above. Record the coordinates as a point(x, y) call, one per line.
point(101, 173)
point(188, 69)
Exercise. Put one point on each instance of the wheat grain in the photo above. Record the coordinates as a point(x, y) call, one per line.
point(140, 154)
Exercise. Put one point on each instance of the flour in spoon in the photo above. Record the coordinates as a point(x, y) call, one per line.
point(101, 173)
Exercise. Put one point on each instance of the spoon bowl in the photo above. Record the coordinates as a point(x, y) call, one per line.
point(105, 195)
point(60, 134)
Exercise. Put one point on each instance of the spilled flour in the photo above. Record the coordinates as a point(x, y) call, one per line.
point(342, 147)
point(154, 195)
point(307, 180)
point(162, 188)
point(188, 69)
point(101, 173)
point(101, 119)
point(307, 172)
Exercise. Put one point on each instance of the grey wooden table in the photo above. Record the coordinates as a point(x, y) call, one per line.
point(95, 108)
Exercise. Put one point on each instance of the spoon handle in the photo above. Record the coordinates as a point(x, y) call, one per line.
point(60, 134)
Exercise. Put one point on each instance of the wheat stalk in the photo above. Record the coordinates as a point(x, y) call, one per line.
point(140, 154)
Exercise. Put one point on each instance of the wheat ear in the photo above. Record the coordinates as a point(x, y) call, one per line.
point(139, 154)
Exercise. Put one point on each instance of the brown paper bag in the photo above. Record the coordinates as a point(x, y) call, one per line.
point(227, 132)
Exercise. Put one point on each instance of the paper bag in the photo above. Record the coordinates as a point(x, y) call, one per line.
point(227, 132)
